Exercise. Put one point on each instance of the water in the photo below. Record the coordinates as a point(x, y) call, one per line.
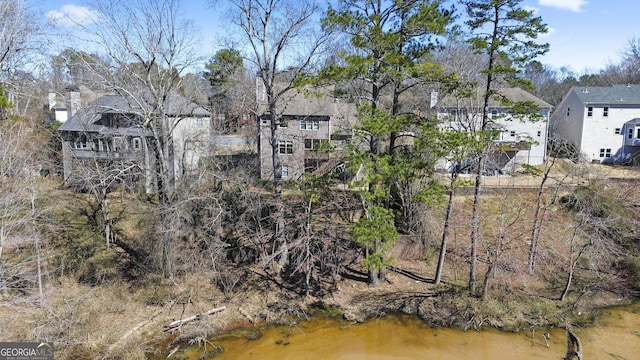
point(616, 335)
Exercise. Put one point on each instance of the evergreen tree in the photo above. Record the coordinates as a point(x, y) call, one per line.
point(5, 105)
point(390, 47)
point(506, 33)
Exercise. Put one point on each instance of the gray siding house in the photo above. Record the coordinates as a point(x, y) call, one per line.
point(110, 131)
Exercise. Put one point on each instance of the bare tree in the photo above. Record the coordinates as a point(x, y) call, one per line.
point(281, 35)
point(544, 201)
point(99, 178)
point(19, 28)
point(149, 46)
point(506, 33)
point(602, 222)
point(21, 40)
point(19, 198)
point(506, 234)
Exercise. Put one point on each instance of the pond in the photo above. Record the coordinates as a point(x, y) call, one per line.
point(616, 335)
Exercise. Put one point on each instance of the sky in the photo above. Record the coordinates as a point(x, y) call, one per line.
point(584, 35)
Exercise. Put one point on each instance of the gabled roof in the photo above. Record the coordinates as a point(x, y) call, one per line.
point(85, 119)
point(633, 122)
point(615, 94)
point(311, 101)
point(513, 94)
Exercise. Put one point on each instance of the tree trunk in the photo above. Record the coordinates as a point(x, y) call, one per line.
point(573, 260)
point(568, 283)
point(167, 263)
point(574, 346)
point(373, 277)
point(487, 281)
point(275, 159)
point(475, 228)
point(2, 241)
point(535, 231)
point(445, 236)
point(537, 219)
point(39, 261)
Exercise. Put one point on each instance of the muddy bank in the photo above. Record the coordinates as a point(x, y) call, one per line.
point(445, 306)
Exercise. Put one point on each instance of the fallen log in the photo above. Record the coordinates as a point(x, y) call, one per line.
point(574, 346)
point(176, 324)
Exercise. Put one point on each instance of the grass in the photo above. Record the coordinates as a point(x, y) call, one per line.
point(94, 305)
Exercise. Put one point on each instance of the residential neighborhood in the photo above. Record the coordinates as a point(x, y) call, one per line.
point(601, 124)
point(520, 139)
point(306, 121)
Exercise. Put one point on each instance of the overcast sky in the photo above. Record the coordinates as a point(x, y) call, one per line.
point(584, 35)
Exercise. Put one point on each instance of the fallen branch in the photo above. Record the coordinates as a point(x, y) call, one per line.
point(134, 330)
point(574, 346)
point(175, 324)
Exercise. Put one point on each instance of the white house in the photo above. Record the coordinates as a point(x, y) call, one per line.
point(602, 123)
point(520, 139)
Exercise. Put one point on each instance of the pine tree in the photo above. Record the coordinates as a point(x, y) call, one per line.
point(506, 33)
point(390, 43)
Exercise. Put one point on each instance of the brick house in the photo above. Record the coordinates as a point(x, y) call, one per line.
point(305, 121)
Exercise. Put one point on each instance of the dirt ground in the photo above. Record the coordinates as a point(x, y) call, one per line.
point(119, 321)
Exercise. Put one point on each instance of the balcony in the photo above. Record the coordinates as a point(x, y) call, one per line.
point(315, 155)
point(511, 145)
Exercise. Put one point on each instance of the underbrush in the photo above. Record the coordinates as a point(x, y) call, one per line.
point(118, 296)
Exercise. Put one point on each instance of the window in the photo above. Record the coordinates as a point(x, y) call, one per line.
point(285, 171)
point(512, 133)
point(590, 111)
point(630, 133)
point(568, 111)
point(539, 133)
point(265, 122)
point(309, 124)
point(638, 134)
point(617, 131)
point(605, 111)
point(285, 147)
point(310, 144)
point(118, 143)
point(80, 143)
point(136, 143)
point(605, 153)
point(494, 112)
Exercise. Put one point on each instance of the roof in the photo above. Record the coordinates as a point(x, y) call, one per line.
point(85, 118)
point(634, 122)
point(310, 101)
point(614, 94)
point(514, 94)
